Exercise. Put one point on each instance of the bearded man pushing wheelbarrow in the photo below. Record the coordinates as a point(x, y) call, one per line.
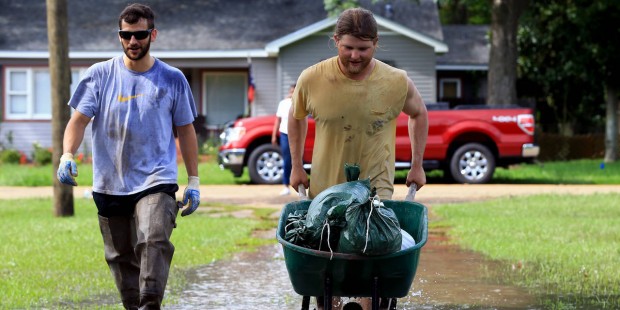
point(355, 100)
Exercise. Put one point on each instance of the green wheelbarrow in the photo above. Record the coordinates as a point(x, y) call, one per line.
point(320, 273)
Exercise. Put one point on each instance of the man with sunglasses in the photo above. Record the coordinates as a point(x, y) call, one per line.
point(135, 101)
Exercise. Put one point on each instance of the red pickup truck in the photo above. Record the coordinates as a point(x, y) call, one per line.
point(466, 142)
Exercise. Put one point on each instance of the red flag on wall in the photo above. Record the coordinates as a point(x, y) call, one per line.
point(251, 86)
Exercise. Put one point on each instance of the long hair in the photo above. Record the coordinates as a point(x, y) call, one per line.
point(357, 22)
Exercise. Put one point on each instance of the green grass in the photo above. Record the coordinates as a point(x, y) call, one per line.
point(587, 171)
point(50, 262)
point(562, 247)
point(20, 175)
point(571, 172)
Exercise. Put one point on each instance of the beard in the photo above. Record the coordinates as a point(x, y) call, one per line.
point(144, 49)
point(355, 67)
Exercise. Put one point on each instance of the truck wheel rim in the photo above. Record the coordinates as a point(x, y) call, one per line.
point(270, 166)
point(473, 165)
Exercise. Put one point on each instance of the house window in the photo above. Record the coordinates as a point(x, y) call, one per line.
point(28, 93)
point(450, 88)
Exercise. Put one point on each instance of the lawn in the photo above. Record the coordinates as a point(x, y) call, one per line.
point(572, 172)
point(564, 248)
point(50, 262)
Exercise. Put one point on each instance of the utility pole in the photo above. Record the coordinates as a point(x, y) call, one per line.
point(60, 76)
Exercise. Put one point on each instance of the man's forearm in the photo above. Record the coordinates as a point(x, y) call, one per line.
point(189, 148)
point(74, 133)
point(418, 132)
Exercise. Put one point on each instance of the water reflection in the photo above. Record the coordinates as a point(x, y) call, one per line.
point(256, 280)
point(447, 278)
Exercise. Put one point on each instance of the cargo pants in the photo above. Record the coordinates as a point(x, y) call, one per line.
point(138, 250)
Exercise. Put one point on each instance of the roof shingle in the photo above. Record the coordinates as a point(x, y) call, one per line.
point(190, 24)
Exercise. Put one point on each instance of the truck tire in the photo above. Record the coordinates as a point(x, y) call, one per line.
point(472, 163)
point(265, 165)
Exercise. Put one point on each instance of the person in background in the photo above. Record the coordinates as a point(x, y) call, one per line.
point(136, 101)
point(281, 126)
point(355, 100)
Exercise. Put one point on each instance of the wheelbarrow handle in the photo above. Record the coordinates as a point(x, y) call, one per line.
point(412, 191)
point(301, 192)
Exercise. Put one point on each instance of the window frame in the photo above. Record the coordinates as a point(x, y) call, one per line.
point(443, 81)
point(29, 92)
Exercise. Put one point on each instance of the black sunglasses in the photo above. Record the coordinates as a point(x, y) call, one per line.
point(140, 35)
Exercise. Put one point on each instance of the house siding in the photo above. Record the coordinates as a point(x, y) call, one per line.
point(25, 134)
point(264, 72)
point(296, 57)
point(415, 58)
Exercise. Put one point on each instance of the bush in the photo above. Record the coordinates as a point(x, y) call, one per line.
point(10, 156)
point(41, 156)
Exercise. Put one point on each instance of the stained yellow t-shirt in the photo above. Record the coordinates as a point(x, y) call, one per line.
point(355, 122)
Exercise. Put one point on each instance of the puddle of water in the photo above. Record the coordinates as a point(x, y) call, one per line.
point(256, 280)
point(447, 278)
point(451, 278)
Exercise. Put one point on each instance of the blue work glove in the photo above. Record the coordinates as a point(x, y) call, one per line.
point(67, 170)
point(191, 196)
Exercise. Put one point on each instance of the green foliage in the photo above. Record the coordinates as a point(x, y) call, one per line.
point(335, 7)
point(563, 246)
point(41, 156)
point(10, 156)
point(565, 58)
point(9, 141)
point(210, 147)
point(472, 12)
point(52, 263)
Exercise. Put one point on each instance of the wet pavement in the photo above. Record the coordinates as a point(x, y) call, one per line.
point(254, 280)
point(447, 278)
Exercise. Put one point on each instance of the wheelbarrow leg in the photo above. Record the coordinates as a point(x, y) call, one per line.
point(327, 299)
point(375, 293)
point(388, 303)
point(393, 302)
point(305, 303)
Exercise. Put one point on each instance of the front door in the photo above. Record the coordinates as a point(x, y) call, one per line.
point(225, 97)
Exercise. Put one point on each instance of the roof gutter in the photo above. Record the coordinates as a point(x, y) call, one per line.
point(256, 53)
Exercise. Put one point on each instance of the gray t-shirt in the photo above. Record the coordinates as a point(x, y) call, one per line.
point(134, 113)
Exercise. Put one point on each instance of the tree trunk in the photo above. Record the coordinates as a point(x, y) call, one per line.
point(60, 76)
point(611, 126)
point(502, 76)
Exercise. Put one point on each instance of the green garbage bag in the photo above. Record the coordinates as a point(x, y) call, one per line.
point(371, 229)
point(323, 231)
point(295, 228)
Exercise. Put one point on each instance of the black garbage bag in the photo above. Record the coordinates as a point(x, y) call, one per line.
point(371, 229)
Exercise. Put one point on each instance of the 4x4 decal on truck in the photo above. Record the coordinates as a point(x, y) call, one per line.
point(524, 121)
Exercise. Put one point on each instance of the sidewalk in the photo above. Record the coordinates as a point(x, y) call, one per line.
point(267, 195)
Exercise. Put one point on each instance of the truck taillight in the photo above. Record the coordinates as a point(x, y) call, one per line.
point(526, 123)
